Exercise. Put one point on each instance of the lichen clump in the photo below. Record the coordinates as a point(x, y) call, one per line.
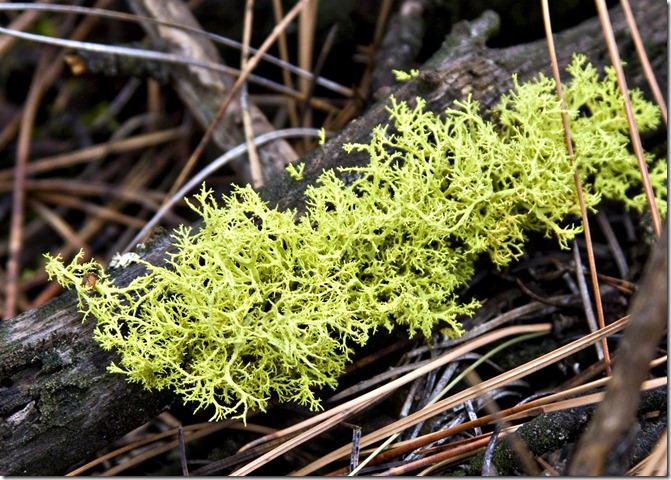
point(258, 303)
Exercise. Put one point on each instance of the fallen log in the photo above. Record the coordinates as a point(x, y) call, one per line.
point(59, 405)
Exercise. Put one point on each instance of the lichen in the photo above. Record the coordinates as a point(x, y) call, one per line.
point(402, 76)
point(296, 174)
point(258, 304)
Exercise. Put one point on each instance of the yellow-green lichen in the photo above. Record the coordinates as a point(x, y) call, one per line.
point(296, 174)
point(402, 76)
point(256, 304)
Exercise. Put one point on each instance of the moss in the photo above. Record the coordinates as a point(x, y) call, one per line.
point(257, 303)
point(546, 433)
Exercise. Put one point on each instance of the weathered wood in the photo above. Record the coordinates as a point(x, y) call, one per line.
point(58, 404)
point(203, 91)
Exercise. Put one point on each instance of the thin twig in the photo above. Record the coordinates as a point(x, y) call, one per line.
point(438, 457)
point(22, 22)
point(251, 65)
point(359, 403)
point(56, 222)
point(452, 384)
point(613, 244)
point(142, 53)
point(458, 398)
point(117, 104)
point(380, 24)
point(506, 317)
point(638, 346)
point(91, 208)
point(95, 152)
point(459, 453)
point(307, 22)
point(521, 411)
point(354, 457)
point(306, 113)
point(584, 295)
point(212, 167)
point(182, 451)
point(284, 55)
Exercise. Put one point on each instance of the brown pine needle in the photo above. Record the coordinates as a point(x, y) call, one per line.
point(464, 395)
point(581, 199)
point(643, 57)
point(633, 129)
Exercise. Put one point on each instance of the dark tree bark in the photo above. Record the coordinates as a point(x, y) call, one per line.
point(58, 404)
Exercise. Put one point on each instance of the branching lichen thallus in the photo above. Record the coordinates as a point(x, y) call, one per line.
point(257, 305)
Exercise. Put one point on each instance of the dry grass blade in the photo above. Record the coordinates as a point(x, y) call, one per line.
point(435, 363)
point(254, 162)
point(89, 154)
point(35, 93)
point(61, 227)
point(464, 395)
point(342, 411)
point(250, 66)
point(507, 317)
point(211, 428)
point(633, 129)
point(578, 186)
point(465, 374)
point(307, 23)
point(145, 198)
point(284, 55)
point(143, 53)
point(450, 453)
point(377, 379)
point(201, 431)
point(645, 63)
point(306, 106)
point(212, 167)
point(549, 403)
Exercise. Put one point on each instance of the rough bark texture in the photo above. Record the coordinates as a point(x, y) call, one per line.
point(58, 404)
point(203, 91)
